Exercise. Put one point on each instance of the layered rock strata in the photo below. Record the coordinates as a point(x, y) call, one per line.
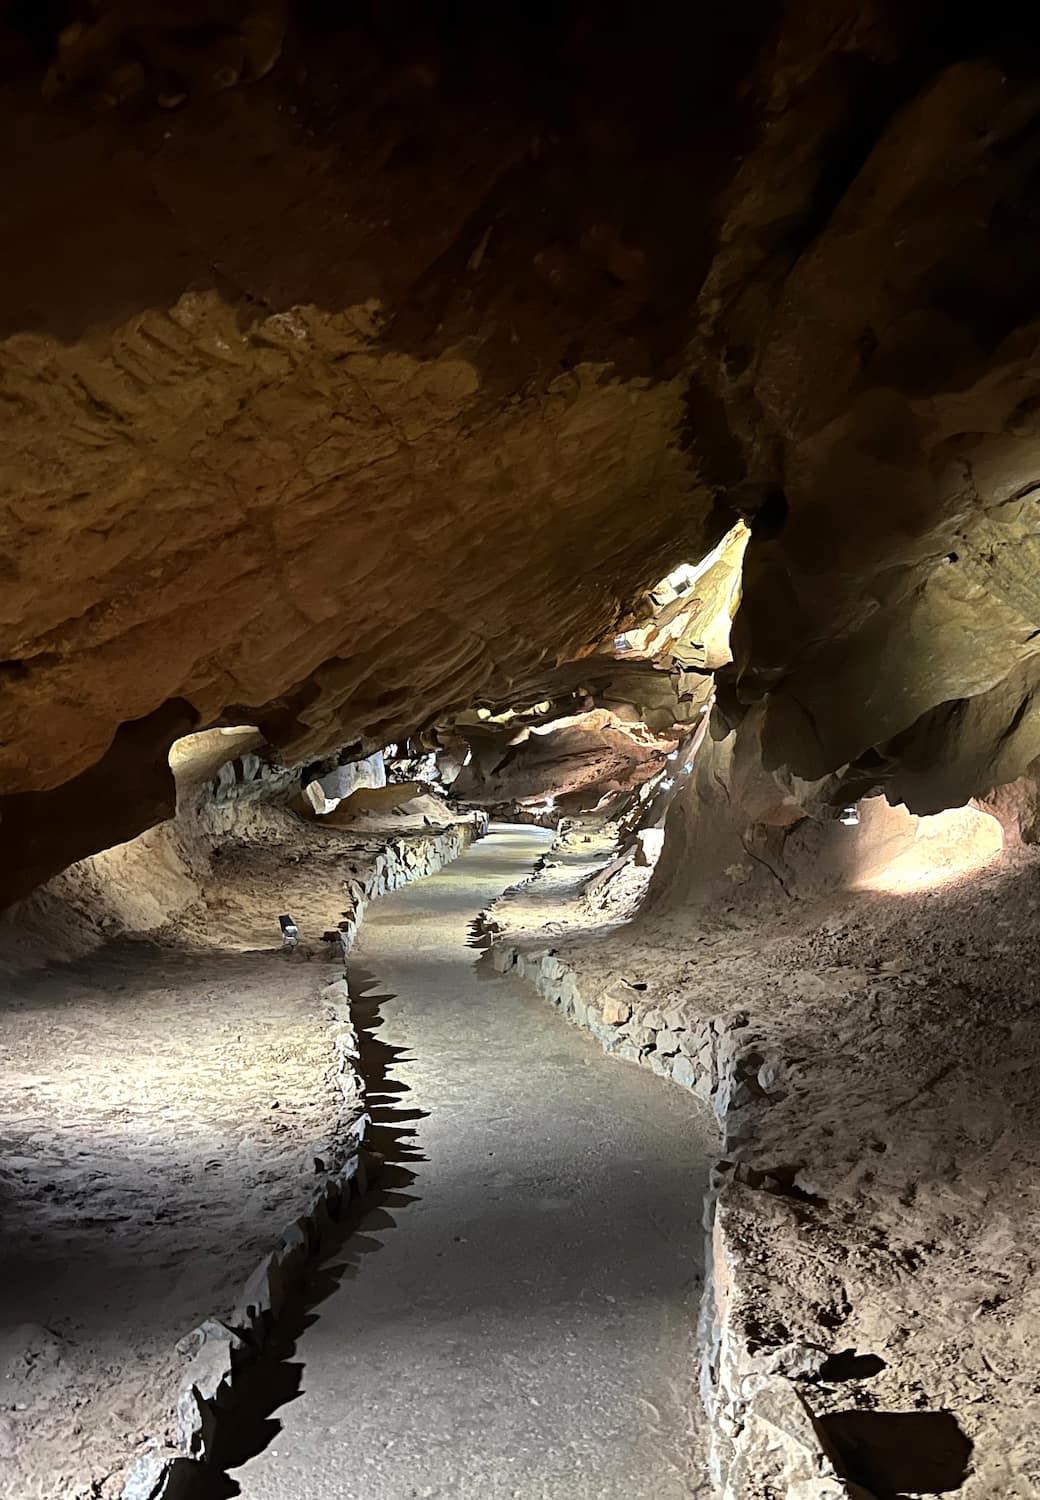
point(399, 357)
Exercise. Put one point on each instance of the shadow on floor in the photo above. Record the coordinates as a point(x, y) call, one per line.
point(899, 1453)
point(248, 1424)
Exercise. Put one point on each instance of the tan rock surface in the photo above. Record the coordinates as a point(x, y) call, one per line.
point(353, 373)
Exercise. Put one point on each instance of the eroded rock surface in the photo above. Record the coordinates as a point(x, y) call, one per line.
point(575, 761)
point(355, 370)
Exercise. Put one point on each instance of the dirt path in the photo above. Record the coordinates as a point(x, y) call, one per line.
point(526, 1328)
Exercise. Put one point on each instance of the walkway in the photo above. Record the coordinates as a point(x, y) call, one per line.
point(526, 1327)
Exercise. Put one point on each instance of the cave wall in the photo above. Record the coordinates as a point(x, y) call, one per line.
point(746, 843)
point(220, 791)
point(359, 368)
point(884, 380)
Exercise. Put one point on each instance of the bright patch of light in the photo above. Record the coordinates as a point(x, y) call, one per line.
point(945, 848)
point(652, 840)
point(315, 794)
point(675, 608)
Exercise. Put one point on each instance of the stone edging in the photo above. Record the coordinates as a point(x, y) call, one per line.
point(759, 1424)
point(216, 1350)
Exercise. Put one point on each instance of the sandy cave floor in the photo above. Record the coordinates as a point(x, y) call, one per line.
point(906, 1120)
point(162, 1105)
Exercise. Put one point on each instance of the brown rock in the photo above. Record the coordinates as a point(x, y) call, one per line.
point(616, 1011)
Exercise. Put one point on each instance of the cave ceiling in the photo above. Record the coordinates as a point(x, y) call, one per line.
point(361, 364)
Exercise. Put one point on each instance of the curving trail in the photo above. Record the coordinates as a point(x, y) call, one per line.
point(523, 1325)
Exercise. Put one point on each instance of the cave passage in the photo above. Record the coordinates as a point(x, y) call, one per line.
point(524, 1325)
point(618, 420)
